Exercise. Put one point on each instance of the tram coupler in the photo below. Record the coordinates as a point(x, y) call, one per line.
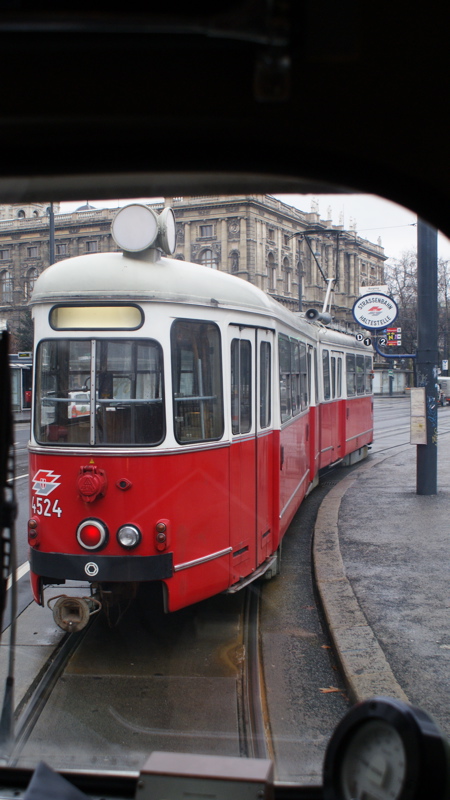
point(72, 614)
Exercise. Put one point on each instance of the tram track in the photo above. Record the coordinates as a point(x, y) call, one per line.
point(206, 656)
point(254, 712)
point(32, 704)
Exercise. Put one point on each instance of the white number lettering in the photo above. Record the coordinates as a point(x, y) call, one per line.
point(44, 507)
point(56, 509)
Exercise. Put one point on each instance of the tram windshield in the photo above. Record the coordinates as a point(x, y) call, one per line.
point(124, 376)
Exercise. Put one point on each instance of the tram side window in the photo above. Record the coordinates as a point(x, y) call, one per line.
point(241, 386)
point(197, 381)
point(265, 409)
point(284, 351)
point(360, 382)
point(304, 393)
point(326, 375)
point(368, 374)
point(351, 375)
point(339, 377)
point(295, 378)
point(336, 374)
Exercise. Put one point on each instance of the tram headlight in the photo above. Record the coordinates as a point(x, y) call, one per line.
point(92, 534)
point(129, 536)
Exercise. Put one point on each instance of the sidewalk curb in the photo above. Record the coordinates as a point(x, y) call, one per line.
point(366, 670)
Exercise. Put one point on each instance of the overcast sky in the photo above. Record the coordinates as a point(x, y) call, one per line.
point(375, 218)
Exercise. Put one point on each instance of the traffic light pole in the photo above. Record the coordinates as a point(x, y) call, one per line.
point(427, 353)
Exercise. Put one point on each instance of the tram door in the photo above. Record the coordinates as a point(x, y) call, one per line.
point(251, 353)
point(264, 444)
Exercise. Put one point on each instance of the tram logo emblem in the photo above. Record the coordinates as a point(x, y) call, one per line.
point(91, 569)
point(44, 482)
point(375, 311)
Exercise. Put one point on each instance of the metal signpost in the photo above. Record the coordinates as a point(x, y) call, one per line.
point(427, 353)
point(377, 312)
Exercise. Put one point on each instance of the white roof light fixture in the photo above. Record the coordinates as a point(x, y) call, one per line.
point(167, 231)
point(136, 227)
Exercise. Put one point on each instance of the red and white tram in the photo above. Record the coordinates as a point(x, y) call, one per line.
point(180, 417)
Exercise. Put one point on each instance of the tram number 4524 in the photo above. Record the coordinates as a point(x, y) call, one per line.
point(43, 507)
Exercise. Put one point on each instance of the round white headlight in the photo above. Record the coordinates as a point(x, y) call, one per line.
point(129, 536)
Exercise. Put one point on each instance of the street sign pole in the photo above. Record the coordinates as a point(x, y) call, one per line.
point(427, 353)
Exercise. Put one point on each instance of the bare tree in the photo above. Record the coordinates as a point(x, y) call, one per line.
point(401, 279)
point(444, 306)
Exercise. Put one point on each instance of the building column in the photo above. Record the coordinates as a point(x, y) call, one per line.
point(352, 287)
point(243, 264)
point(224, 266)
point(187, 241)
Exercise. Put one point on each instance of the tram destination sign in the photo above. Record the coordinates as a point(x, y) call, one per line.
point(375, 310)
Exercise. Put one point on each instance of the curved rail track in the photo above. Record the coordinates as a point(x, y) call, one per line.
point(202, 653)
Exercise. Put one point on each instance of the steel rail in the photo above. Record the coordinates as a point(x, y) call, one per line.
point(32, 705)
point(255, 732)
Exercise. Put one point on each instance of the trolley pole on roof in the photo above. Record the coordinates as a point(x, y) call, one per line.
point(427, 353)
point(51, 246)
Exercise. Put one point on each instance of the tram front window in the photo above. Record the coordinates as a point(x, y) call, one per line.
point(128, 392)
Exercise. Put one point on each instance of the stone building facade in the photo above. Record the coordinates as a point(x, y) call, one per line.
point(284, 251)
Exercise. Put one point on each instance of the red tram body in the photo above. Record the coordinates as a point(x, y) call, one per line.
point(180, 417)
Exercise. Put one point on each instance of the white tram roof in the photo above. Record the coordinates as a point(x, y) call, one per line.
point(121, 277)
point(146, 277)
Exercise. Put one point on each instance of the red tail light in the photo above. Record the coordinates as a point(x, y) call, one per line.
point(92, 534)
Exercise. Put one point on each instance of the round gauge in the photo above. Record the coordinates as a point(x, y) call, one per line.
point(134, 228)
point(385, 749)
point(167, 231)
point(374, 764)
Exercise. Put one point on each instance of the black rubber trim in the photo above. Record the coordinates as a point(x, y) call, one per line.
point(110, 568)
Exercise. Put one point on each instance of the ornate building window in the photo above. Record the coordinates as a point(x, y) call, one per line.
point(31, 278)
point(347, 273)
point(91, 247)
point(272, 273)
point(287, 272)
point(234, 261)
point(207, 259)
point(33, 251)
point(21, 214)
point(5, 254)
point(61, 249)
point(206, 231)
point(6, 287)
